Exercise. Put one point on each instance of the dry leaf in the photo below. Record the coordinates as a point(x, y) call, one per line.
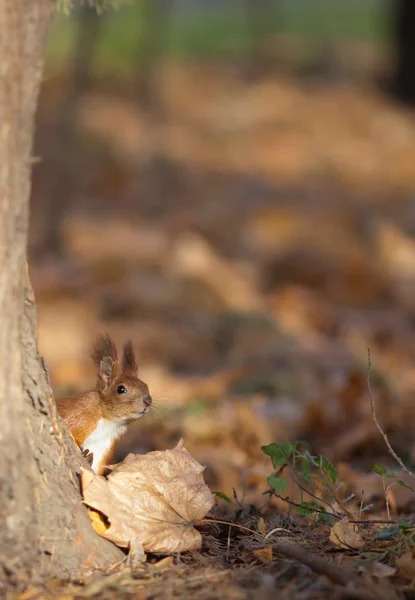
point(155, 498)
point(378, 569)
point(165, 563)
point(264, 554)
point(345, 535)
point(406, 566)
point(262, 526)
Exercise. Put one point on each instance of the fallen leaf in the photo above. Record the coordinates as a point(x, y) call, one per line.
point(264, 554)
point(345, 535)
point(262, 526)
point(155, 498)
point(378, 569)
point(406, 566)
point(165, 563)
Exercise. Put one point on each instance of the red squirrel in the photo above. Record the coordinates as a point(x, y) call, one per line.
point(97, 418)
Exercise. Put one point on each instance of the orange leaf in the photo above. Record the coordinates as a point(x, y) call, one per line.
point(264, 554)
point(262, 526)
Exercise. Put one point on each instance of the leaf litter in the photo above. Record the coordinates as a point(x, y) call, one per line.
point(235, 381)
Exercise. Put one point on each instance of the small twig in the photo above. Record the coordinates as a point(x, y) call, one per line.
point(271, 492)
point(340, 503)
point(230, 524)
point(316, 497)
point(374, 521)
point(383, 434)
point(228, 546)
point(340, 575)
point(281, 469)
point(363, 509)
point(297, 505)
point(239, 503)
point(275, 530)
point(351, 496)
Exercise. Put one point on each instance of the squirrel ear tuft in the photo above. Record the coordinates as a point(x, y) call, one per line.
point(104, 354)
point(129, 364)
point(104, 347)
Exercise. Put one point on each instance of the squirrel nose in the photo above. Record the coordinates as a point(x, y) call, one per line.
point(147, 400)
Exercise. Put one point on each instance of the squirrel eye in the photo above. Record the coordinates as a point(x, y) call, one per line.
point(121, 389)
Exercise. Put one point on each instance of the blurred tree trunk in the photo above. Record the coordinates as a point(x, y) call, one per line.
point(403, 77)
point(64, 150)
point(154, 28)
point(260, 17)
point(160, 174)
point(44, 528)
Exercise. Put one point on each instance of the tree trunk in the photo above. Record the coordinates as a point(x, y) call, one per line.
point(44, 528)
point(403, 78)
point(64, 156)
point(259, 16)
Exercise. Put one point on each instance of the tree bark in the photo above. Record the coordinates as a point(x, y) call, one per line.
point(64, 155)
point(403, 77)
point(44, 528)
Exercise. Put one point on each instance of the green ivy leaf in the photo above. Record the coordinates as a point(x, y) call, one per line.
point(325, 517)
point(222, 496)
point(391, 533)
point(379, 469)
point(328, 469)
point(277, 483)
point(406, 525)
point(279, 453)
point(405, 485)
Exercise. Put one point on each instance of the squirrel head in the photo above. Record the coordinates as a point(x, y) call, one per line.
point(123, 396)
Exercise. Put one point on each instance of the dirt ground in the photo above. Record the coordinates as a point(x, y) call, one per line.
point(254, 243)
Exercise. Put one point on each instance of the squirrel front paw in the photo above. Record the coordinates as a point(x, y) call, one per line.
point(89, 457)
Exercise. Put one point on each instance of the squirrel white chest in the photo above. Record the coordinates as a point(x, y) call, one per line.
point(101, 439)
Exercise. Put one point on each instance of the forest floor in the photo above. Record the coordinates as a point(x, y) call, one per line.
point(254, 240)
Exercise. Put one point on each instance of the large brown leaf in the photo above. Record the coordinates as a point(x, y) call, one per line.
point(155, 498)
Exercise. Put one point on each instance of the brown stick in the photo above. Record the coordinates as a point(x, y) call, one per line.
point(337, 574)
point(340, 575)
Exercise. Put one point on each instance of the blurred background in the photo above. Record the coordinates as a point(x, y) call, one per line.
point(230, 184)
